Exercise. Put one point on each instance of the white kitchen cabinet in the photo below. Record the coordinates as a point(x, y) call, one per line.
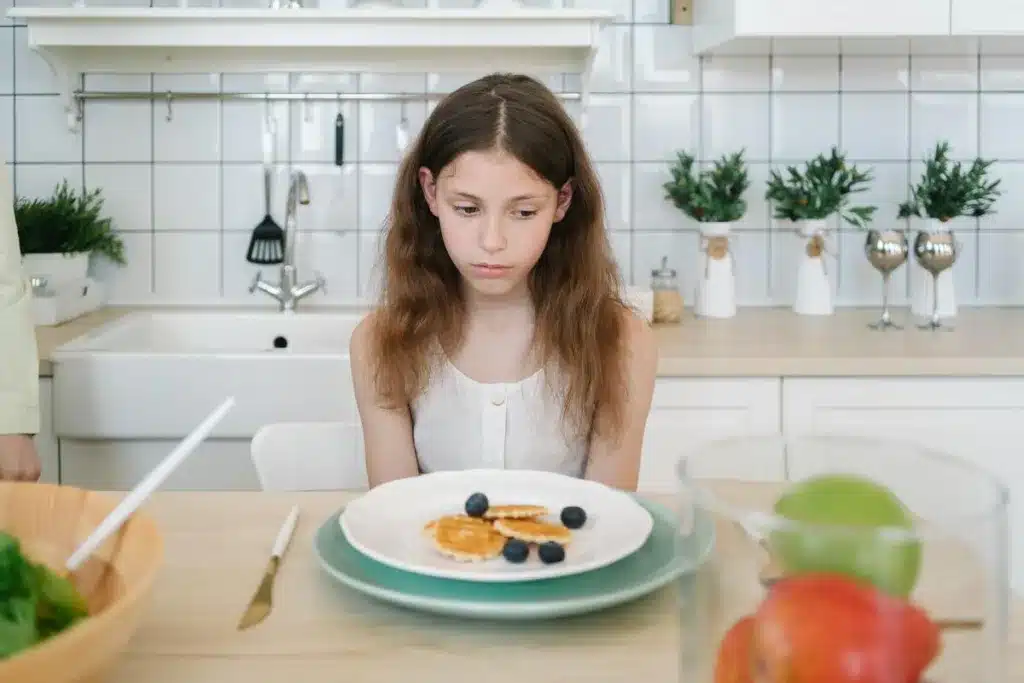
point(46, 443)
point(987, 17)
point(978, 419)
point(729, 23)
point(688, 411)
point(216, 465)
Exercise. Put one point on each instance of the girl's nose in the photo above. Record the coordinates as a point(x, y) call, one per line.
point(492, 236)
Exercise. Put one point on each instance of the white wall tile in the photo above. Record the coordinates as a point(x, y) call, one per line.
point(186, 265)
point(802, 73)
point(118, 132)
point(875, 126)
point(7, 53)
point(127, 193)
point(663, 60)
point(40, 180)
point(131, 283)
point(952, 117)
point(609, 132)
point(669, 123)
point(872, 73)
point(7, 128)
point(186, 198)
point(803, 125)
point(41, 131)
point(617, 188)
point(186, 193)
point(731, 122)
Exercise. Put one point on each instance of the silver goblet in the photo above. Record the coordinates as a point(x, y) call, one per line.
point(936, 252)
point(886, 251)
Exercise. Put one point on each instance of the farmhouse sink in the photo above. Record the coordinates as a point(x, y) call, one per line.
point(154, 375)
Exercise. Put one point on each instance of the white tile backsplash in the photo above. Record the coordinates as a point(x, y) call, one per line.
point(185, 186)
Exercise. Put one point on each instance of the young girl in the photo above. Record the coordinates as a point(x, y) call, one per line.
point(501, 340)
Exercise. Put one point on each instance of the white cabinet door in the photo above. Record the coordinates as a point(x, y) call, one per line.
point(46, 443)
point(987, 17)
point(688, 411)
point(216, 465)
point(978, 419)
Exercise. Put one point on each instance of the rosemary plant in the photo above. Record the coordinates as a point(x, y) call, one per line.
point(822, 188)
point(710, 195)
point(948, 190)
point(67, 223)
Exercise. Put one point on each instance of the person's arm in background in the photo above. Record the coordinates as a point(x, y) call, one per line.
point(19, 359)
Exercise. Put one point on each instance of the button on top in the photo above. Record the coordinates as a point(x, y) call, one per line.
point(498, 398)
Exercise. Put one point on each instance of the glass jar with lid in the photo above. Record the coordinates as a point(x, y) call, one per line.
point(668, 301)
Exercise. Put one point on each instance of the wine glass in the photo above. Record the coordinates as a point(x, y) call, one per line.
point(886, 251)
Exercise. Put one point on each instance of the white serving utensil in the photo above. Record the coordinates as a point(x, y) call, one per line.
point(130, 503)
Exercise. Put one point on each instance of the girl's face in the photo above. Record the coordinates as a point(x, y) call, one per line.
point(496, 214)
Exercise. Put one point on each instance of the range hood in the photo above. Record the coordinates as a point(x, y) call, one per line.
point(78, 40)
point(720, 25)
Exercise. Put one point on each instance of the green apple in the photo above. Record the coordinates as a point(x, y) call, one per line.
point(842, 520)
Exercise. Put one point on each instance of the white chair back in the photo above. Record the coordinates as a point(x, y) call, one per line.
point(310, 456)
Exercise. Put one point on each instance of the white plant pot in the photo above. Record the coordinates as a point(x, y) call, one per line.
point(813, 289)
point(716, 279)
point(923, 285)
point(58, 269)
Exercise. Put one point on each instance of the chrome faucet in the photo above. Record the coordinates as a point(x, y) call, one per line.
point(288, 291)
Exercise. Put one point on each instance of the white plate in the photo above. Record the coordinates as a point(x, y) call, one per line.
point(386, 524)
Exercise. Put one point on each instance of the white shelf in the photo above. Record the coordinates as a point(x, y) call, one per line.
point(78, 40)
point(997, 18)
point(723, 25)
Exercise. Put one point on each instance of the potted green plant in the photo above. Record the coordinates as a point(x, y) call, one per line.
point(946, 190)
point(808, 198)
point(714, 197)
point(59, 233)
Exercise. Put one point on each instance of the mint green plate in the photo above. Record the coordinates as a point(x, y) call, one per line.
point(665, 557)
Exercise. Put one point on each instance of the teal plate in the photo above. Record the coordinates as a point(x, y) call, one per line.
point(666, 556)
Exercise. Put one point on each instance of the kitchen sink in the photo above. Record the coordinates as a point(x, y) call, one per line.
point(154, 375)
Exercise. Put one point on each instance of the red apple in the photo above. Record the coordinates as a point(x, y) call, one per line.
point(734, 662)
point(829, 628)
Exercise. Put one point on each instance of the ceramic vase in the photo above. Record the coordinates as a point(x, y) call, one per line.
point(923, 287)
point(716, 277)
point(813, 289)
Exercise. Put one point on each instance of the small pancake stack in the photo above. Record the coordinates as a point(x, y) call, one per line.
point(484, 532)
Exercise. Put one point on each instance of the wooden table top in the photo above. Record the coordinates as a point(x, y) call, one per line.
point(217, 544)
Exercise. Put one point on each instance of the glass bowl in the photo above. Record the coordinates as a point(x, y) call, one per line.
point(870, 561)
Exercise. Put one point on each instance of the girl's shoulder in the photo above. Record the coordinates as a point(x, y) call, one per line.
point(360, 344)
point(638, 338)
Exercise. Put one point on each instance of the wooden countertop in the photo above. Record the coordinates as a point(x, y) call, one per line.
point(774, 342)
point(217, 545)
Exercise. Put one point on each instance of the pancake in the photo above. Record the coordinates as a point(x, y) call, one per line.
point(533, 530)
point(515, 511)
point(453, 519)
point(466, 539)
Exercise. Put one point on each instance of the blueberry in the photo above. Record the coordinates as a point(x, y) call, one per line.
point(476, 505)
point(574, 517)
point(516, 551)
point(551, 552)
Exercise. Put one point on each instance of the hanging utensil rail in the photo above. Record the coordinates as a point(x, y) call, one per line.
point(169, 96)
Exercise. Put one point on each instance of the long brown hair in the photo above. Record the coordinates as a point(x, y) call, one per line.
point(580, 326)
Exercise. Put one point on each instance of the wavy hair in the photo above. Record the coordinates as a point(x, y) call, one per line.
point(575, 285)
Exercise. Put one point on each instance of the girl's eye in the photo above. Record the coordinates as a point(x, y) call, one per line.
point(466, 210)
point(526, 214)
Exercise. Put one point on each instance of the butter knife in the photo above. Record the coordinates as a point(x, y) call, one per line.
point(263, 599)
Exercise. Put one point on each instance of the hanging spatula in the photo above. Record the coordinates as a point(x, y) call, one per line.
point(266, 246)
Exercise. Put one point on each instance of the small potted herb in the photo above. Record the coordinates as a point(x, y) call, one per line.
point(714, 197)
point(946, 190)
point(59, 233)
point(808, 198)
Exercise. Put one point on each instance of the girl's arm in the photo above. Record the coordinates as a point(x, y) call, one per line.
point(387, 433)
point(617, 464)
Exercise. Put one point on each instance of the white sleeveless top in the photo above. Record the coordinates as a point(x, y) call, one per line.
point(459, 423)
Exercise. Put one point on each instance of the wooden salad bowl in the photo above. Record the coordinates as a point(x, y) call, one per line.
point(114, 584)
